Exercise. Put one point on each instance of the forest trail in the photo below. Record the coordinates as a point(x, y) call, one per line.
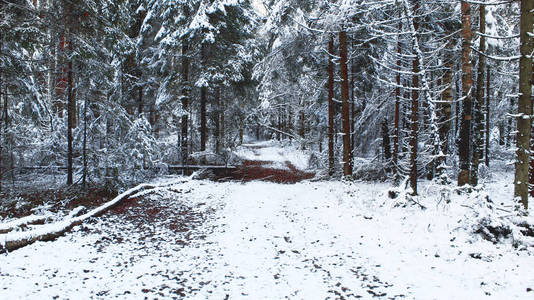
point(269, 161)
point(261, 240)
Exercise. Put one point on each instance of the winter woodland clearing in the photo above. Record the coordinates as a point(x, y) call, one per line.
point(266, 149)
point(259, 240)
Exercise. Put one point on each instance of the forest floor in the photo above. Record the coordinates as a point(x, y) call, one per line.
point(262, 240)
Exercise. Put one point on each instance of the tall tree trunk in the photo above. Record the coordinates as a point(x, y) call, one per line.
point(331, 105)
point(279, 126)
point(467, 83)
point(405, 119)
point(222, 136)
point(510, 137)
point(386, 145)
point(478, 126)
point(2, 136)
point(531, 167)
point(446, 112)
point(352, 101)
point(51, 92)
point(396, 132)
point(8, 137)
point(290, 122)
point(303, 128)
point(414, 138)
point(185, 97)
point(524, 104)
point(216, 118)
point(457, 106)
point(84, 178)
point(70, 112)
point(488, 128)
point(345, 116)
point(203, 100)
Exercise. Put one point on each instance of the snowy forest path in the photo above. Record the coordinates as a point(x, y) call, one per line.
point(271, 161)
point(261, 240)
point(201, 240)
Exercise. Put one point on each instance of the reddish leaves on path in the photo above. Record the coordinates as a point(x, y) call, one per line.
point(263, 170)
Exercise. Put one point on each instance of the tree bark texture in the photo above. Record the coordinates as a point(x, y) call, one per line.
point(414, 138)
point(464, 145)
point(331, 105)
point(216, 117)
point(84, 178)
point(345, 115)
point(488, 128)
point(70, 118)
point(524, 104)
point(396, 129)
point(414, 132)
point(203, 100)
point(185, 98)
point(478, 142)
point(446, 109)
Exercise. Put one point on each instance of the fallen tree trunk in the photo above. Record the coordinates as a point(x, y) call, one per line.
point(29, 220)
point(48, 232)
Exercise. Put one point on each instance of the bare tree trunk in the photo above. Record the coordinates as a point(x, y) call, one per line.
point(386, 145)
point(509, 136)
point(345, 116)
point(488, 128)
point(397, 111)
point(216, 118)
point(302, 126)
point(524, 104)
point(203, 100)
point(415, 111)
point(478, 116)
point(531, 167)
point(8, 137)
point(331, 105)
point(467, 83)
point(279, 126)
point(84, 178)
point(457, 106)
point(70, 115)
point(185, 96)
point(51, 93)
point(2, 136)
point(222, 135)
point(446, 109)
point(352, 103)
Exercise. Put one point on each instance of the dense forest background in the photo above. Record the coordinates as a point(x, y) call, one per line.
point(113, 91)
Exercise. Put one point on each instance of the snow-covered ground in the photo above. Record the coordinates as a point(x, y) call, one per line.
point(258, 240)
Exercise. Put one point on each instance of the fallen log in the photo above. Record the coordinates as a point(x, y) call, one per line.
point(14, 240)
point(25, 221)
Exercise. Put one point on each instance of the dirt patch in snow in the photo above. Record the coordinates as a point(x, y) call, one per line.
point(262, 170)
point(147, 220)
